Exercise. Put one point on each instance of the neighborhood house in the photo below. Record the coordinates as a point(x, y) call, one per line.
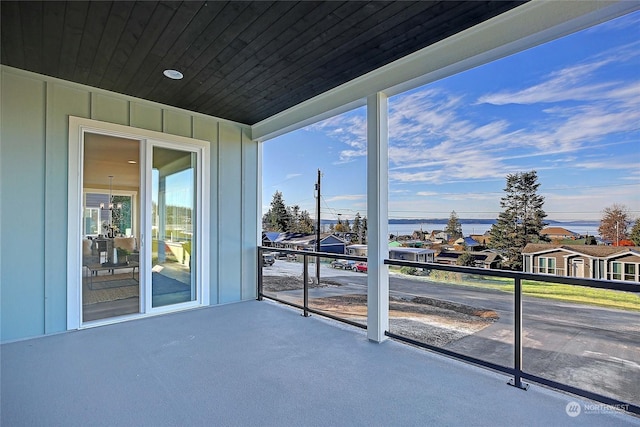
point(584, 261)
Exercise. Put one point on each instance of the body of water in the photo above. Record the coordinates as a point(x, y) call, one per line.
point(467, 229)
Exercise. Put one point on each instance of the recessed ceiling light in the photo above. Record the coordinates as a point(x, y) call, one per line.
point(132, 162)
point(173, 74)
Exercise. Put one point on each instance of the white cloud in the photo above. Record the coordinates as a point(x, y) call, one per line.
point(346, 197)
point(438, 136)
point(350, 129)
point(575, 83)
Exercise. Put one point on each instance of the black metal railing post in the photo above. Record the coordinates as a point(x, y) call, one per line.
point(305, 278)
point(260, 284)
point(517, 341)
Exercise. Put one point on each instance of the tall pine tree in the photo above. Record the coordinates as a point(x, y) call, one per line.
point(357, 228)
point(277, 217)
point(454, 228)
point(522, 217)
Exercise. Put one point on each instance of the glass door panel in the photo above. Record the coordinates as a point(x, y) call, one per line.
point(173, 226)
point(110, 268)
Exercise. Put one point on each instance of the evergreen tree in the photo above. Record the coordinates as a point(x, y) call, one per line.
point(522, 217)
point(590, 240)
point(277, 217)
point(294, 216)
point(454, 228)
point(357, 228)
point(305, 223)
point(466, 259)
point(614, 223)
point(635, 233)
point(364, 230)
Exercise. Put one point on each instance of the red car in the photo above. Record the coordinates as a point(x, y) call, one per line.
point(361, 267)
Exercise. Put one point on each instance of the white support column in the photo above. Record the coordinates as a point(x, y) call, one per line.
point(377, 217)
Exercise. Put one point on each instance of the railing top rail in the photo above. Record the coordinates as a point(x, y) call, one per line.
point(613, 285)
point(577, 281)
point(313, 253)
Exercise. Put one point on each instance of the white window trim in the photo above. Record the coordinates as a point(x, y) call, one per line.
point(546, 265)
point(622, 271)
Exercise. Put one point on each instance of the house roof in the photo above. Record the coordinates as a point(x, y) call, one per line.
point(270, 235)
point(486, 257)
point(590, 250)
point(412, 250)
point(559, 231)
point(242, 61)
point(467, 241)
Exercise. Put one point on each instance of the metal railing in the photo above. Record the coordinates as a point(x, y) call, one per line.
point(518, 277)
point(306, 255)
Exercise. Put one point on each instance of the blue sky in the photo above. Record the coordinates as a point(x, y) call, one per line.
point(569, 109)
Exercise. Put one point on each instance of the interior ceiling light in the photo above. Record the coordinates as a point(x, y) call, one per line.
point(131, 162)
point(173, 74)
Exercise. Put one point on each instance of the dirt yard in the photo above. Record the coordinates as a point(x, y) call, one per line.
point(423, 319)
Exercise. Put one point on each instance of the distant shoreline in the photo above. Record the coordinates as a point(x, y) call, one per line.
point(400, 221)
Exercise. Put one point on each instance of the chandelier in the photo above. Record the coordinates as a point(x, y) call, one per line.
point(111, 206)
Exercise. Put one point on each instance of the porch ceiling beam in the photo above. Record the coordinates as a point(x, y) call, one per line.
point(521, 28)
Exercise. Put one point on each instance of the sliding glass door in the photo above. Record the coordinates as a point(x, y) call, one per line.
point(173, 226)
point(126, 272)
point(138, 223)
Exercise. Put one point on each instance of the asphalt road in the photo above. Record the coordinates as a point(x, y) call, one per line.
point(592, 348)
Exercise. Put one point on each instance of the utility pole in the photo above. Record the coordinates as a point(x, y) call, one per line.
point(318, 226)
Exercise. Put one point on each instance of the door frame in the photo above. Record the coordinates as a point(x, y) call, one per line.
point(147, 156)
point(78, 127)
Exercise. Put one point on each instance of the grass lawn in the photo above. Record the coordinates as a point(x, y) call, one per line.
point(583, 295)
point(556, 291)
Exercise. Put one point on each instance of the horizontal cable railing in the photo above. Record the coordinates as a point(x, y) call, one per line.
point(516, 370)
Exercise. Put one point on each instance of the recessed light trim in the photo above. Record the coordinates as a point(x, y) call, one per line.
point(173, 74)
point(131, 162)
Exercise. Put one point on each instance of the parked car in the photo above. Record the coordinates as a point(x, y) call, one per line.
point(341, 263)
point(360, 267)
point(268, 259)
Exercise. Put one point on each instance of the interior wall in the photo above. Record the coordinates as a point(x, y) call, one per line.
point(34, 120)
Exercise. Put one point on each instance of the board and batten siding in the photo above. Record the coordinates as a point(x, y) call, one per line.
point(34, 134)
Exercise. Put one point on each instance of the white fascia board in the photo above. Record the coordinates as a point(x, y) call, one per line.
point(521, 28)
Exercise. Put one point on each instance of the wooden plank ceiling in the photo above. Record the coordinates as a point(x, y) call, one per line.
point(243, 61)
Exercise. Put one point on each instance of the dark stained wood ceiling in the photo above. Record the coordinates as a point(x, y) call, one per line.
point(243, 61)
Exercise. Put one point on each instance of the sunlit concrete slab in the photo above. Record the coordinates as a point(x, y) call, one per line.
point(261, 364)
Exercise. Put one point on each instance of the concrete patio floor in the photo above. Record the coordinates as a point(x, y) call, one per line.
point(260, 364)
